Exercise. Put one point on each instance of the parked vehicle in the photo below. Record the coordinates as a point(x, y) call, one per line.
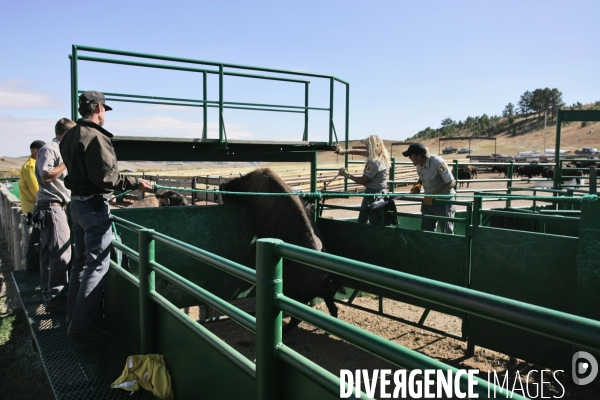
point(449, 150)
point(465, 150)
point(529, 153)
point(587, 150)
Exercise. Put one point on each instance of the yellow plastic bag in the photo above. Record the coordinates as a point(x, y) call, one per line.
point(149, 372)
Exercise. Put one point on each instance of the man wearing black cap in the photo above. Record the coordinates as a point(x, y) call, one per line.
point(435, 178)
point(93, 175)
point(28, 187)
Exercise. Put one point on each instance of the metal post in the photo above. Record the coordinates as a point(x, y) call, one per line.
point(477, 206)
point(193, 192)
point(545, 122)
point(331, 110)
point(392, 187)
point(347, 112)
point(593, 184)
point(269, 285)
point(147, 306)
point(205, 111)
point(221, 127)
point(16, 233)
point(305, 136)
point(455, 171)
point(557, 150)
point(74, 86)
point(511, 169)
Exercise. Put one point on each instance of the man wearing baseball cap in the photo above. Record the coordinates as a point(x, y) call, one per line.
point(88, 154)
point(28, 188)
point(434, 178)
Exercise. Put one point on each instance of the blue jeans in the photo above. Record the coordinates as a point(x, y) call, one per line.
point(91, 260)
point(443, 210)
point(365, 215)
point(55, 255)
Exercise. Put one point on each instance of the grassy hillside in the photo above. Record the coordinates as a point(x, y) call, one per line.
point(524, 134)
point(529, 136)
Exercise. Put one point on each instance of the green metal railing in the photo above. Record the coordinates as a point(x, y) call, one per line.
point(569, 116)
point(217, 69)
point(271, 303)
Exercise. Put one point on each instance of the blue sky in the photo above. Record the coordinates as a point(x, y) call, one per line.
point(410, 64)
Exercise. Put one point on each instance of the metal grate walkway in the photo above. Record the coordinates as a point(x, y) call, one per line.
point(76, 370)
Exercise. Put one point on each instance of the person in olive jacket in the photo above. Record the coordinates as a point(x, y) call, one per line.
point(93, 175)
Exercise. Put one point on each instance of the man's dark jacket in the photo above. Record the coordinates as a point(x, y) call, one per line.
point(88, 154)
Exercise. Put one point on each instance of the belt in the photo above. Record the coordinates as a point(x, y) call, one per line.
point(49, 204)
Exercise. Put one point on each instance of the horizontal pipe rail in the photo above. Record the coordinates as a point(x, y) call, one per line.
point(236, 314)
point(312, 371)
point(200, 105)
point(376, 345)
point(231, 354)
point(124, 273)
point(233, 268)
point(536, 216)
point(200, 62)
point(555, 324)
point(134, 255)
point(188, 69)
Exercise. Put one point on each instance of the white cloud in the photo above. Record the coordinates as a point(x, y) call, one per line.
point(18, 133)
point(16, 94)
point(165, 126)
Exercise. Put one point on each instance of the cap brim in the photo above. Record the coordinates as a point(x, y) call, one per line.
point(106, 107)
point(406, 153)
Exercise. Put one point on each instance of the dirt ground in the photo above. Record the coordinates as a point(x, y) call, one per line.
point(334, 354)
point(22, 375)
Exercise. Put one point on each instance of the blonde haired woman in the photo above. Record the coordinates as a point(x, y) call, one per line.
point(375, 173)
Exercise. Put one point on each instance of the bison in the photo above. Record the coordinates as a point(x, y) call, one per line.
point(500, 169)
point(464, 174)
point(285, 218)
point(530, 170)
point(473, 170)
point(167, 198)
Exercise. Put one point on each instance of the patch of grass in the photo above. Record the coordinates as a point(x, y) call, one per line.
point(6, 324)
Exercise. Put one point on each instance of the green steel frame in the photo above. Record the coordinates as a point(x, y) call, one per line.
point(271, 303)
point(569, 116)
point(221, 149)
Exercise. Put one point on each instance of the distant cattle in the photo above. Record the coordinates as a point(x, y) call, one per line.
point(587, 165)
point(167, 198)
point(530, 170)
point(500, 169)
point(569, 171)
point(285, 218)
point(473, 170)
point(464, 174)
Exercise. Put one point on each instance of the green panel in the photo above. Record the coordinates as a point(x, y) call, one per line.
point(588, 273)
point(226, 231)
point(534, 268)
point(410, 251)
point(13, 187)
point(197, 370)
point(298, 387)
point(122, 311)
point(415, 223)
point(563, 228)
point(588, 265)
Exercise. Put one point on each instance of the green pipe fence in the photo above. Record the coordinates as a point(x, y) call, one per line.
point(76, 57)
point(271, 303)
